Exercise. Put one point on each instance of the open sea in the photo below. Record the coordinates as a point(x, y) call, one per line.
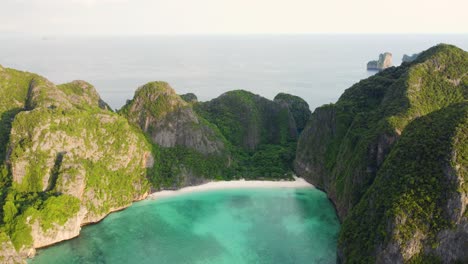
point(317, 68)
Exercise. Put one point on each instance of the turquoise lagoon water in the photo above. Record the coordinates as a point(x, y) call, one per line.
point(278, 225)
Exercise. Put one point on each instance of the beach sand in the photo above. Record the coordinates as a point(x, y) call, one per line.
point(236, 184)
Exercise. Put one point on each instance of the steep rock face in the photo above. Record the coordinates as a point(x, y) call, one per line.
point(384, 62)
point(313, 147)
point(82, 95)
point(170, 121)
point(69, 161)
point(55, 149)
point(369, 117)
point(415, 210)
point(8, 253)
point(298, 107)
point(409, 58)
point(189, 97)
point(346, 145)
point(14, 88)
point(249, 120)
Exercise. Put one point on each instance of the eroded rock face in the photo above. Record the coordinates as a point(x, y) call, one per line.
point(384, 61)
point(170, 121)
point(57, 233)
point(8, 254)
point(393, 210)
point(249, 120)
point(84, 160)
point(82, 94)
point(189, 97)
point(297, 106)
point(409, 58)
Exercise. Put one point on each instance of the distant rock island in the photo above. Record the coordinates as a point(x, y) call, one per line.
point(409, 58)
point(385, 61)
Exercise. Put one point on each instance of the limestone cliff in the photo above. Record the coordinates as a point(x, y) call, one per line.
point(169, 120)
point(249, 120)
point(346, 147)
point(384, 62)
point(415, 211)
point(189, 97)
point(297, 106)
point(189, 149)
point(69, 161)
point(409, 58)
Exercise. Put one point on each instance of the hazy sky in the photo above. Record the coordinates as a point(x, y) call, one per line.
point(232, 16)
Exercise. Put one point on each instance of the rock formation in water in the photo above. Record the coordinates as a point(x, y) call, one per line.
point(391, 154)
point(409, 58)
point(384, 62)
point(66, 161)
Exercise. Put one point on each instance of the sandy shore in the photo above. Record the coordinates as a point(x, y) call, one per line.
point(220, 185)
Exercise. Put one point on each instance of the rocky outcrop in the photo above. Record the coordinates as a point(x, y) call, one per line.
point(189, 97)
point(82, 94)
point(416, 200)
point(170, 121)
point(348, 147)
point(297, 106)
point(384, 61)
point(67, 154)
point(8, 254)
point(409, 58)
point(249, 120)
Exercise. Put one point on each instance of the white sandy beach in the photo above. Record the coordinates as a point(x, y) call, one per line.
point(221, 185)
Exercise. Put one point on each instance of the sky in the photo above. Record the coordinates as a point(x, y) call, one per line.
point(141, 17)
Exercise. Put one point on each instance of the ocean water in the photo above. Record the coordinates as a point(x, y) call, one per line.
point(316, 67)
point(271, 226)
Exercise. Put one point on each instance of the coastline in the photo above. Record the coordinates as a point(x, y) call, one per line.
point(235, 184)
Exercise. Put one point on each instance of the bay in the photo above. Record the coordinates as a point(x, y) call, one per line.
point(272, 225)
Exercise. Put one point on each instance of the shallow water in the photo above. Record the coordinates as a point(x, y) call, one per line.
point(277, 225)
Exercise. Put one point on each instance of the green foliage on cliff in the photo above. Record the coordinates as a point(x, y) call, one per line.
point(63, 143)
point(298, 107)
point(82, 95)
point(172, 163)
point(412, 187)
point(370, 115)
point(149, 99)
point(48, 209)
point(384, 151)
point(248, 120)
point(260, 134)
point(14, 86)
point(189, 97)
point(254, 137)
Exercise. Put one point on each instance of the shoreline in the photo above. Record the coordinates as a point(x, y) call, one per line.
point(235, 184)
